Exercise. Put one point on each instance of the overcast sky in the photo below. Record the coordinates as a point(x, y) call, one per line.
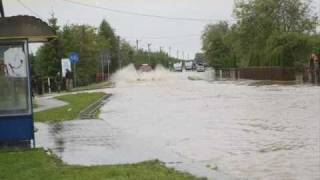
point(179, 35)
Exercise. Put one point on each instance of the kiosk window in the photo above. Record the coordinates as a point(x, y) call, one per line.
point(14, 89)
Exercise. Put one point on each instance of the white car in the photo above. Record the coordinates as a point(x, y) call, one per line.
point(177, 67)
point(188, 65)
point(200, 68)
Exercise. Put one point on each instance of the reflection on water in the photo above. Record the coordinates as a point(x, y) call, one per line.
point(56, 131)
point(222, 130)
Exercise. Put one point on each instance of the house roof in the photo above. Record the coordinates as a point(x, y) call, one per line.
point(25, 27)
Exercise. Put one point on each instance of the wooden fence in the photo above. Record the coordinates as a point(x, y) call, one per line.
point(268, 73)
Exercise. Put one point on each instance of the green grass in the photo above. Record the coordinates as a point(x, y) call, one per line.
point(34, 104)
point(37, 165)
point(77, 102)
point(93, 86)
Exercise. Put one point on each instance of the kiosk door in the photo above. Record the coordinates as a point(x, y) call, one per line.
point(16, 122)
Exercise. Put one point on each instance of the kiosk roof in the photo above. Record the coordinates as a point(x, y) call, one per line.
point(25, 27)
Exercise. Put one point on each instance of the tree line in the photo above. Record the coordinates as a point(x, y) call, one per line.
point(278, 33)
point(90, 42)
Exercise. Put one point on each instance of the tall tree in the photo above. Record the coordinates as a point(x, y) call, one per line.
point(258, 20)
point(110, 42)
point(267, 33)
point(215, 45)
point(47, 61)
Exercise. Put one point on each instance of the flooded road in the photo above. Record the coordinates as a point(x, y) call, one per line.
point(217, 129)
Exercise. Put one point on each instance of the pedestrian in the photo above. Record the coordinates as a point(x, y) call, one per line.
point(69, 77)
point(58, 80)
point(314, 66)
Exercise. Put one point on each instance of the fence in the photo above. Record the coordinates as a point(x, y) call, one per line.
point(268, 73)
point(42, 85)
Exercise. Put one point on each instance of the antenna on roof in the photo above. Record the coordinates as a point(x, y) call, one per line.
point(1, 9)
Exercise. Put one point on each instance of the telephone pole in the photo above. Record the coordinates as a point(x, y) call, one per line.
point(137, 45)
point(119, 59)
point(149, 53)
point(1, 9)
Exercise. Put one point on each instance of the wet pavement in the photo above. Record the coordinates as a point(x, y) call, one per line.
point(48, 102)
point(217, 129)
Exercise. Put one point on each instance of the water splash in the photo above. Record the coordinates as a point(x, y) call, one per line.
point(129, 74)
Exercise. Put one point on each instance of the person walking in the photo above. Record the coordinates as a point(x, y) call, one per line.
point(58, 80)
point(69, 80)
point(314, 66)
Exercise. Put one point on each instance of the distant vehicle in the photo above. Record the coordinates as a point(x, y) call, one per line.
point(188, 65)
point(177, 66)
point(200, 68)
point(145, 68)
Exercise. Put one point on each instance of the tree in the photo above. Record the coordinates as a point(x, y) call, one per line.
point(47, 60)
point(267, 33)
point(259, 20)
point(83, 40)
point(110, 42)
point(215, 45)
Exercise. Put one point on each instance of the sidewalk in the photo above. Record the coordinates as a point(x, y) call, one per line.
point(47, 102)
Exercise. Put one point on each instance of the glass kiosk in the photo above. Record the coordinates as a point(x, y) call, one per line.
point(16, 115)
point(15, 96)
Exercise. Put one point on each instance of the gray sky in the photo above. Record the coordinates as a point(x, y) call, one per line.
point(179, 35)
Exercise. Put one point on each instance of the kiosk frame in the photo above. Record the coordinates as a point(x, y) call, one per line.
point(18, 126)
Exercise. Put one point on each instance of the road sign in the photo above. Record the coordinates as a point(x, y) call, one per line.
point(74, 57)
point(65, 64)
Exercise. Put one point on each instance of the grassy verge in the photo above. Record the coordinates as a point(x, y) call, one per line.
point(34, 104)
point(93, 86)
point(37, 165)
point(77, 102)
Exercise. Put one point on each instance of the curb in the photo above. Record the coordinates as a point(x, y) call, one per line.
point(91, 111)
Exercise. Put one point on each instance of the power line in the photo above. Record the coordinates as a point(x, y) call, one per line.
point(29, 9)
point(140, 14)
point(165, 37)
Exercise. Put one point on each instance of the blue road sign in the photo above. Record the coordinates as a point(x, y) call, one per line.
point(74, 57)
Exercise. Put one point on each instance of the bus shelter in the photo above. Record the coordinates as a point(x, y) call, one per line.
point(16, 114)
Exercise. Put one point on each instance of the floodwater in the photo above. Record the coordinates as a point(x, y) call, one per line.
point(216, 129)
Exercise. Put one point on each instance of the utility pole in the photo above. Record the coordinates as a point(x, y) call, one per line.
point(1, 9)
point(108, 61)
point(149, 52)
point(137, 45)
point(102, 66)
point(104, 57)
point(178, 54)
point(119, 59)
point(183, 55)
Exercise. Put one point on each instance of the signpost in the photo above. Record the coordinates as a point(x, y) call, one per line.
point(74, 59)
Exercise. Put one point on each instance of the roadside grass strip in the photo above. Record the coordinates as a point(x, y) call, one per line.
point(37, 164)
point(77, 103)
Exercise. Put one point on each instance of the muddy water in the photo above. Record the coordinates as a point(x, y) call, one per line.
point(221, 130)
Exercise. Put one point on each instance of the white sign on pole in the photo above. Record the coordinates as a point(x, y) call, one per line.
point(65, 64)
point(15, 61)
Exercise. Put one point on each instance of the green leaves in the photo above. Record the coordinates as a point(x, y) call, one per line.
point(217, 46)
point(267, 33)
